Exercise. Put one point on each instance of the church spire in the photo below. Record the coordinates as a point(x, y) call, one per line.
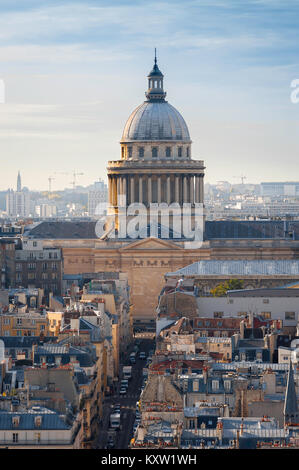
point(155, 90)
point(290, 410)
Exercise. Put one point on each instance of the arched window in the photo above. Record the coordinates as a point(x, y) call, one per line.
point(154, 152)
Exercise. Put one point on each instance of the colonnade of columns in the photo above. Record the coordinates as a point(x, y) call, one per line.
point(149, 188)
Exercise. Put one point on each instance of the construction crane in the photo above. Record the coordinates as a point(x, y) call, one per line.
point(74, 178)
point(74, 174)
point(50, 179)
point(243, 177)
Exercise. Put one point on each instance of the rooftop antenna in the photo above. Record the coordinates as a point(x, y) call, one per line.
point(155, 56)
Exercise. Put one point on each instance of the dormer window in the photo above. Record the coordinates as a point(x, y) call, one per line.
point(15, 421)
point(37, 421)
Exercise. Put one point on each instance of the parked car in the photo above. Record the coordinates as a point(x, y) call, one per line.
point(123, 391)
point(116, 408)
point(142, 355)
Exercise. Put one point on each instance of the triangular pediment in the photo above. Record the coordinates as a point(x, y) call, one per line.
point(151, 243)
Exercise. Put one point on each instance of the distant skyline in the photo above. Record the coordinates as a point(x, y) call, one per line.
point(75, 70)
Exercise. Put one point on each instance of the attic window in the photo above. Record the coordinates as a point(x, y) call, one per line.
point(16, 421)
point(37, 421)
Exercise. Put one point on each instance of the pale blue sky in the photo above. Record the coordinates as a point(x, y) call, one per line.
point(74, 71)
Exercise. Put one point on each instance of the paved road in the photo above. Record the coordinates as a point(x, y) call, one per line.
point(127, 402)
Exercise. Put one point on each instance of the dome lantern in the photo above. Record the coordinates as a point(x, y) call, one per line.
point(155, 90)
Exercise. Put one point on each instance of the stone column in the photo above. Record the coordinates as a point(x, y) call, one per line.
point(168, 194)
point(132, 183)
point(124, 188)
point(191, 183)
point(197, 186)
point(118, 189)
point(159, 189)
point(177, 189)
point(185, 188)
point(201, 192)
point(140, 181)
point(149, 190)
point(110, 190)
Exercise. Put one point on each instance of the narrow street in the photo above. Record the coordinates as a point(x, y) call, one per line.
point(127, 402)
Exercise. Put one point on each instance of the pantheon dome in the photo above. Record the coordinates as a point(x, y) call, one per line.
point(155, 129)
point(156, 164)
point(153, 121)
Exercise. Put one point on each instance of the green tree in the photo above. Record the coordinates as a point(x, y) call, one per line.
point(232, 284)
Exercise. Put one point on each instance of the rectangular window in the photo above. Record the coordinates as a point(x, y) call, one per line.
point(227, 384)
point(31, 276)
point(44, 275)
point(180, 151)
point(15, 437)
point(266, 315)
point(45, 266)
point(289, 315)
point(215, 384)
point(265, 301)
point(19, 321)
point(18, 267)
point(54, 266)
point(130, 152)
point(141, 152)
point(31, 265)
point(195, 385)
point(168, 152)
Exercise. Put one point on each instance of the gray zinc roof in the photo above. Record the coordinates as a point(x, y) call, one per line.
point(239, 267)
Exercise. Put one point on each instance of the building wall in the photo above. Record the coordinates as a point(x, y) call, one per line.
point(147, 261)
point(277, 306)
point(30, 325)
point(30, 437)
